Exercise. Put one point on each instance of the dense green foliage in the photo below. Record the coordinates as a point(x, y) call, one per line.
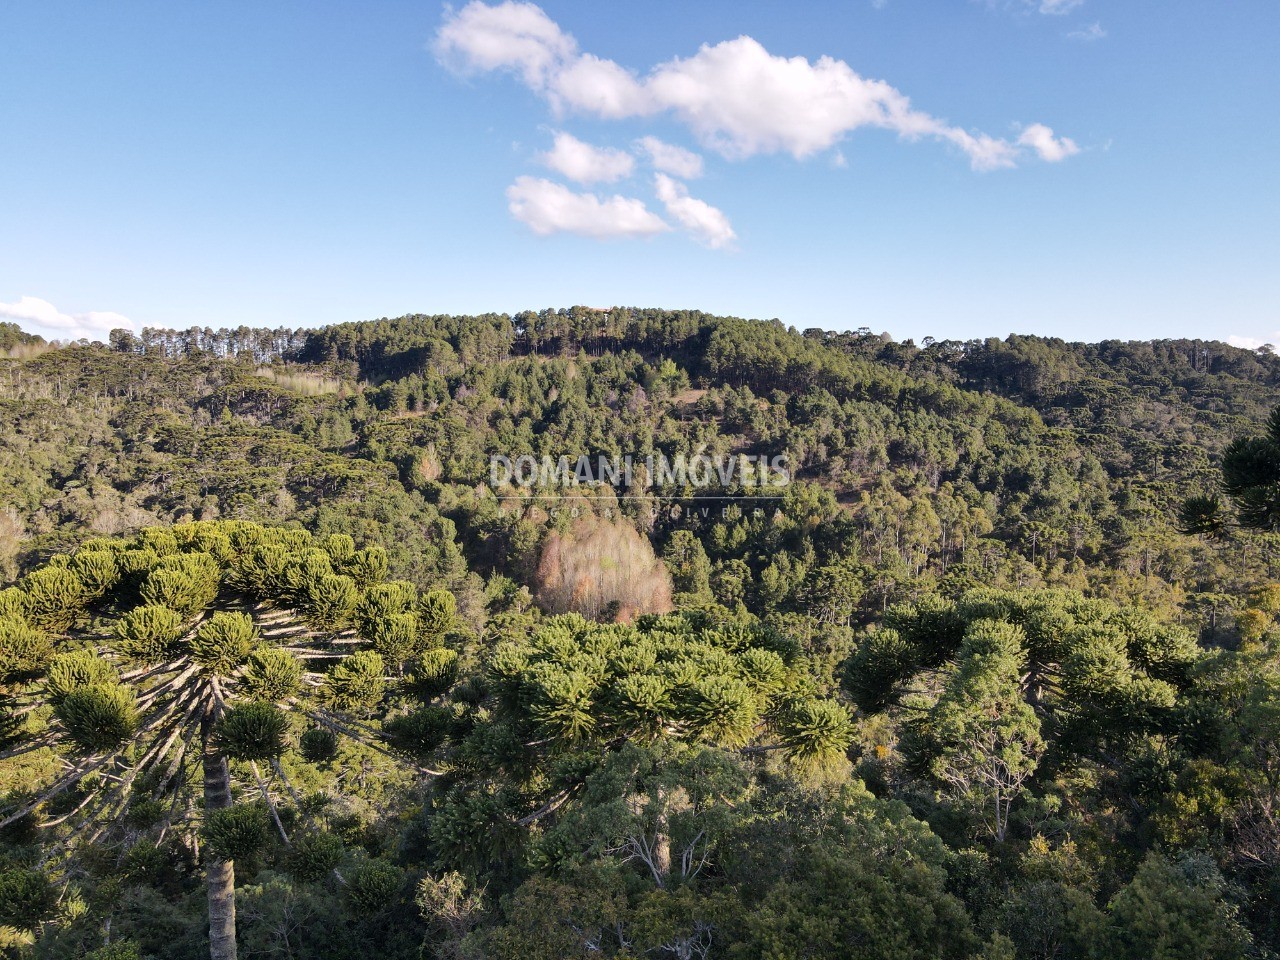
point(996, 675)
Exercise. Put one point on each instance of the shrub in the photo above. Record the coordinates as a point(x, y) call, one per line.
point(434, 672)
point(331, 600)
point(96, 570)
point(69, 672)
point(272, 675)
point(55, 596)
point(120, 950)
point(421, 731)
point(186, 583)
point(438, 611)
point(356, 683)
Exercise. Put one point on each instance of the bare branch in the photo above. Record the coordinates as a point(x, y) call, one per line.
point(326, 719)
point(551, 806)
point(271, 804)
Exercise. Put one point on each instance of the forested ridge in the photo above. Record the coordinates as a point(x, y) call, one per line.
point(994, 676)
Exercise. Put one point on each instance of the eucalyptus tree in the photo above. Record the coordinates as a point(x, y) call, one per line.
point(136, 662)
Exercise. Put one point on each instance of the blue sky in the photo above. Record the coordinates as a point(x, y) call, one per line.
point(957, 168)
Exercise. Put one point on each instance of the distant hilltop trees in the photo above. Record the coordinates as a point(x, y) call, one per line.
point(764, 349)
point(14, 341)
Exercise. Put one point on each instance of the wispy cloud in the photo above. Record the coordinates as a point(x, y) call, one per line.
point(1050, 8)
point(42, 317)
point(1090, 33)
point(706, 223)
point(1056, 8)
point(507, 36)
point(547, 208)
point(1049, 148)
point(671, 159)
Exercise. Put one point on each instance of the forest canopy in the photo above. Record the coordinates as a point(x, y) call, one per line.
point(995, 675)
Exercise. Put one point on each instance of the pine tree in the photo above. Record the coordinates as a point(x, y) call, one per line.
point(985, 738)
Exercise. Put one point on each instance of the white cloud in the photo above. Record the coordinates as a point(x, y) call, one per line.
point(740, 100)
point(1053, 8)
point(587, 164)
point(1050, 148)
point(1094, 32)
point(984, 152)
point(42, 317)
point(708, 224)
point(735, 96)
point(508, 36)
point(671, 159)
point(590, 85)
point(548, 208)
point(1253, 343)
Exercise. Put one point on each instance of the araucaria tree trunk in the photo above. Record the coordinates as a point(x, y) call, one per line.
point(221, 873)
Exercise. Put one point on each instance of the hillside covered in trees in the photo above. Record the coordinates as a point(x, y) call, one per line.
point(285, 673)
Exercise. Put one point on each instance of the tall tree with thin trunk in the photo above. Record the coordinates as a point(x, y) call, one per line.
point(986, 738)
point(158, 667)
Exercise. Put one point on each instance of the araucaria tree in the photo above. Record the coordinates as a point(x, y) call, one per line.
point(136, 662)
point(1251, 481)
point(997, 685)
